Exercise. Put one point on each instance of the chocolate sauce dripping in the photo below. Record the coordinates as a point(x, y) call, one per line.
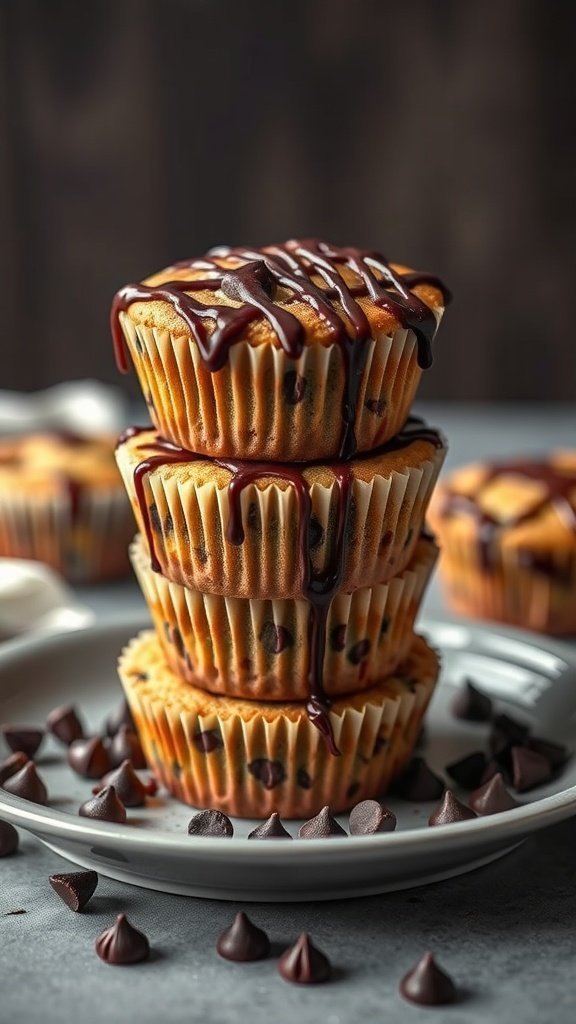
point(558, 487)
point(254, 282)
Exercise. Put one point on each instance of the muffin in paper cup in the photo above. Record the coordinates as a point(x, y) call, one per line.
point(188, 504)
point(250, 758)
point(259, 649)
point(272, 385)
point(508, 536)
point(62, 503)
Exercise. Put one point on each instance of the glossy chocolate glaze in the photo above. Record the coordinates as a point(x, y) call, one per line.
point(291, 266)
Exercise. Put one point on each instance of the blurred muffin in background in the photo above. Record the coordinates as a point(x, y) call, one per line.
point(508, 536)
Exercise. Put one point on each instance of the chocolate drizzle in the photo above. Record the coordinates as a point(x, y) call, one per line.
point(295, 266)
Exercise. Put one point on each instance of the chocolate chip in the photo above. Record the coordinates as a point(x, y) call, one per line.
point(376, 405)
point(316, 533)
point(122, 943)
point(322, 826)
point(65, 725)
point(304, 964)
point(243, 941)
point(427, 984)
point(121, 715)
point(359, 651)
point(419, 782)
point(294, 387)
point(272, 828)
point(211, 823)
point(338, 637)
point(89, 757)
point(269, 773)
point(105, 806)
point(506, 732)
point(492, 797)
point(20, 737)
point(471, 705)
point(75, 888)
point(8, 839)
point(384, 626)
point(12, 765)
point(369, 817)
point(27, 784)
point(529, 769)
point(468, 772)
point(275, 639)
point(450, 810)
point(379, 744)
point(126, 746)
point(178, 641)
point(128, 787)
point(207, 741)
point(556, 754)
point(303, 779)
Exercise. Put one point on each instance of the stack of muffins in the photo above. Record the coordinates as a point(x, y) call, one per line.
point(280, 499)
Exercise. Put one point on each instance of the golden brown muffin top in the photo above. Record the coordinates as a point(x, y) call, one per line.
point(44, 462)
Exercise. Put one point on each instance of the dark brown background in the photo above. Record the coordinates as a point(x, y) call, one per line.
point(136, 132)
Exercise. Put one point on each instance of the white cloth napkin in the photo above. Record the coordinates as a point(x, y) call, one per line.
point(83, 407)
point(33, 598)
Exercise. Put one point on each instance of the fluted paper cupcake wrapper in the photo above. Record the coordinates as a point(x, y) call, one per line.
point(250, 758)
point(264, 405)
point(259, 649)
point(189, 524)
point(86, 545)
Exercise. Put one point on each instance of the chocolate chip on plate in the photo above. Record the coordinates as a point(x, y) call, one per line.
point(418, 782)
point(121, 715)
point(211, 823)
point(272, 828)
point(471, 705)
point(8, 839)
point(529, 769)
point(304, 964)
point(243, 941)
point(555, 752)
point(129, 788)
point(506, 732)
point(468, 772)
point(88, 757)
point(125, 745)
point(427, 984)
point(122, 944)
point(105, 806)
point(322, 826)
point(75, 888)
point(27, 784)
point(22, 737)
point(369, 817)
point(64, 723)
point(450, 810)
point(492, 797)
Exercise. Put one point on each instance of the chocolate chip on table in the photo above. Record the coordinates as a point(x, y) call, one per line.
point(369, 817)
point(12, 764)
point(27, 784)
point(22, 737)
point(8, 839)
point(125, 745)
point(121, 715)
point(105, 806)
point(468, 772)
point(418, 782)
point(272, 828)
point(322, 826)
point(212, 823)
point(129, 788)
point(492, 797)
point(450, 810)
point(122, 944)
point(304, 964)
point(243, 941)
point(64, 723)
point(427, 984)
point(269, 773)
point(275, 639)
point(471, 705)
point(75, 888)
point(529, 769)
point(89, 757)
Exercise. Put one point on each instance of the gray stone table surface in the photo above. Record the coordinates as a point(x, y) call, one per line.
point(507, 933)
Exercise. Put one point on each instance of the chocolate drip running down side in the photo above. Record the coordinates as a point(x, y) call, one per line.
point(317, 588)
point(291, 266)
point(558, 487)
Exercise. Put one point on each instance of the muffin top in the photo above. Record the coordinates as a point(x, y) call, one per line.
point(290, 295)
point(48, 462)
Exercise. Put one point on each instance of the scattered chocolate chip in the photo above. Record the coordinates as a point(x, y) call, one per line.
point(471, 705)
point(322, 826)
point(492, 768)
point(12, 765)
point(450, 810)
point(294, 387)
point(65, 725)
point(529, 769)
point(275, 639)
point(303, 963)
point(22, 738)
point(8, 839)
point(492, 797)
point(338, 637)
point(316, 533)
point(128, 787)
point(211, 823)
point(468, 772)
point(126, 746)
point(376, 405)
point(75, 888)
point(369, 817)
point(303, 779)
point(419, 782)
point(27, 784)
point(105, 806)
point(121, 715)
point(122, 943)
point(272, 828)
point(359, 651)
point(427, 984)
point(89, 757)
point(555, 753)
point(506, 732)
point(269, 773)
point(243, 941)
point(207, 741)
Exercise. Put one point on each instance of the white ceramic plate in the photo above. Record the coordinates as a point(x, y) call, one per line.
point(154, 849)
